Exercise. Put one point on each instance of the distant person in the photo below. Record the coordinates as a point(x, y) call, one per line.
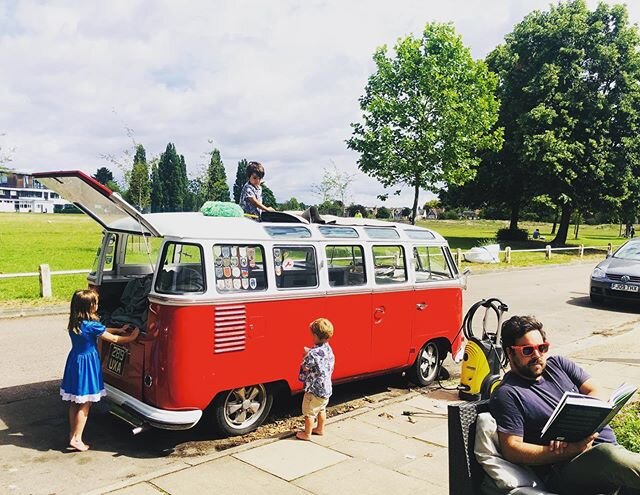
point(536, 234)
point(632, 232)
point(522, 404)
point(315, 372)
point(82, 381)
point(251, 195)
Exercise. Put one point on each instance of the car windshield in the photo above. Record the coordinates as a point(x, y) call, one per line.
point(630, 251)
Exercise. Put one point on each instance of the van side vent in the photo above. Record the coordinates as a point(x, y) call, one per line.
point(230, 329)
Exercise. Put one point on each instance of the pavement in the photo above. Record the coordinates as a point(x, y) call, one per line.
point(373, 450)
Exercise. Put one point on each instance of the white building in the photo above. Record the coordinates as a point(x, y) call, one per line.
point(19, 192)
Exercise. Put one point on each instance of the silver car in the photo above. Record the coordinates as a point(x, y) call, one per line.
point(618, 276)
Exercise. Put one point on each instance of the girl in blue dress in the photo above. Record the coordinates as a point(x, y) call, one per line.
point(82, 381)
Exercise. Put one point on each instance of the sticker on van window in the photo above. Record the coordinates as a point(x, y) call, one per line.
point(278, 270)
point(252, 283)
point(234, 250)
point(226, 252)
point(234, 261)
point(220, 284)
point(245, 283)
point(243, 251)
point(217, 250)
point(218, 261)
point(227, 271)
point(287, 264)
point(226, 261)
point(245, 273)
point(276, 254)
point(243, 261)
point(228, 284)
point(235, 271)
point(236, 283)
point(219, 272)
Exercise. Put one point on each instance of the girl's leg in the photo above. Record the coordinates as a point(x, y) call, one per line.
point(73, 411)
point(80, 422)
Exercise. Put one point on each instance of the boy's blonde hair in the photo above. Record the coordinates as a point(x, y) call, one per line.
point(322, 328)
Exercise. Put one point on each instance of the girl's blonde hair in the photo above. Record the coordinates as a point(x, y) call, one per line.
point(322, 328)
point(84, 305)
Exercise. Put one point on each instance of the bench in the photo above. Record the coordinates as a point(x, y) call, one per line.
point(465, 474)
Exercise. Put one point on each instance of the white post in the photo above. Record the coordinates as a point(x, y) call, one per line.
point(609, 249)
point(581, 250)
point(458, 256)
point(547, 249)
point(507, 254)
point(45, 280)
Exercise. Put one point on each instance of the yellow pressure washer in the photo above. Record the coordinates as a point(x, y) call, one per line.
point(484, 359)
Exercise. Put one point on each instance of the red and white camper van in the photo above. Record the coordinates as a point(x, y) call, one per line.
point(227, 304)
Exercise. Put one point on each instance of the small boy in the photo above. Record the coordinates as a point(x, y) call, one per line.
point(251, 195)
point(315, 373)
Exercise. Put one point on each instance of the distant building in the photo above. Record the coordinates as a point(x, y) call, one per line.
point(20, 192)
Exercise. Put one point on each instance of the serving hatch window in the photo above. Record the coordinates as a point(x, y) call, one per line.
point(389, 262)
point(239, 267)
point(345, 265)
point(181, 269)
point(295, 267)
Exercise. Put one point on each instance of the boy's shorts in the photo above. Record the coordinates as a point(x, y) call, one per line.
point(312, 405)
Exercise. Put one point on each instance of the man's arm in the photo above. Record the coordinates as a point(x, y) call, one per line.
point(589, 387)
point(516, 450)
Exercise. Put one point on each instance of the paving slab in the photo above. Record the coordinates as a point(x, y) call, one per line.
point(291, 458)
point(139, 489)
point(358, 476)
point(391, 418)
point(439, 435)
point(224, 475)
point(432, 468)
point(356, 430)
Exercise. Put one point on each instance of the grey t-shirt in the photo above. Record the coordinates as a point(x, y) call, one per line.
point(522, 407)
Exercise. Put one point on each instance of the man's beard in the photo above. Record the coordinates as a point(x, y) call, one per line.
point(526, 371)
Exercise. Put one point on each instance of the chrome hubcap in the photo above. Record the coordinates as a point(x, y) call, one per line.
point(244, 406)
point(428, 361)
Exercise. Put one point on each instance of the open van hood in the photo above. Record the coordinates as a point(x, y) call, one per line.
point(95, 199)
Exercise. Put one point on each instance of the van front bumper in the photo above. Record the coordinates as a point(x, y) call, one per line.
point(146, 414)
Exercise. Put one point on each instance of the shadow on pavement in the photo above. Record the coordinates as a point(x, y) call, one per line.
point(630, 307)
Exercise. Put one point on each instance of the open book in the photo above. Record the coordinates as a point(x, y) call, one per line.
point(577, 416)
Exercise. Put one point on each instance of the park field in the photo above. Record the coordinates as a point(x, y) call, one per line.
point(70, 241)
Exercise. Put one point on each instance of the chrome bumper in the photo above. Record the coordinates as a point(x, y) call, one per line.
point(158, 418)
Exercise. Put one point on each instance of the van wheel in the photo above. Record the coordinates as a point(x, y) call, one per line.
point(427, 365)
point(241, 410)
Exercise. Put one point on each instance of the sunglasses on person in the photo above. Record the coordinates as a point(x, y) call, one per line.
point(527, 350)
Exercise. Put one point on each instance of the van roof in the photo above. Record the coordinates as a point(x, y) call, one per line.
point(193, 225)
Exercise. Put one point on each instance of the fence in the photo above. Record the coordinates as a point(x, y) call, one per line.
point(44, 273)
point(458, 255)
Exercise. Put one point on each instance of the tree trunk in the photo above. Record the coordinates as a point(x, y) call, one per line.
point(555, 221)
point(576, 230)
point(515, 214)
point(414, 210)
point(563, 228)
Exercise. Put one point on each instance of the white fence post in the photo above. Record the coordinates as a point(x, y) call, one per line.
point(459, 256)
point(547, 249)
point(45, 280)
point(609, 249)
point(581, 251)
point(507, 254)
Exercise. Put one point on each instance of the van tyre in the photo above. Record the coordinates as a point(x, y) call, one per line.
point(427, 366)
point(241, 410)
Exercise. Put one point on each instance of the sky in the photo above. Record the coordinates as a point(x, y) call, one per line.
point(274, 81)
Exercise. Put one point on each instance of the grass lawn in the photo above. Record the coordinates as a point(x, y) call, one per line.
point(70, 241)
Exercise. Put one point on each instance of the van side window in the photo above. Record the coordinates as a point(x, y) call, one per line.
point(135, 252)
point(239, 267)
point(181, 269)
point(389, 263)
point(295, 267)
point(345, 265)
point(431, 264)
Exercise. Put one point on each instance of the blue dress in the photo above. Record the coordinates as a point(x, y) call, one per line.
point(82, 380)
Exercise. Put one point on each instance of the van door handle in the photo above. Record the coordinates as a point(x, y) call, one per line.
point(378, 313)
point(421, 306)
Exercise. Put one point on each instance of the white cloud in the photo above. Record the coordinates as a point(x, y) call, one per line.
point(272, 81)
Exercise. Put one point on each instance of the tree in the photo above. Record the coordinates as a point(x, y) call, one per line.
point(268, 198)
point(383, 212)
point(157, 195)
point(570, 99)
point(353, 209)
point(292, 204)
point(172, 180)
point(241, 178)
point(427, 112)
point(139, 192)
point(103, 175)
point(214, 183)
point(334, 186)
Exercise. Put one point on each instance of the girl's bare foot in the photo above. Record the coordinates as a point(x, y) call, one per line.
point(78, 445)
point(301, 435)
point(315, 431)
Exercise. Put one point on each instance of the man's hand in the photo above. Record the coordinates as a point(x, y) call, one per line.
point(573, 448)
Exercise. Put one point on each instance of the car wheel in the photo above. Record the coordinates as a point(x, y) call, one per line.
point(241, 410)
point(427, 365)
point(595, 299)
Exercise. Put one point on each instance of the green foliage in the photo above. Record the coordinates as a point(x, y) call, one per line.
point(509, 234)
point(626, 425)
point(103, 175)
point(427, 112)
point(570, 109)
point(157, 195)
point(214, 183)
point(241, 178)
point(268, 198)
point(383, 212)
point(169, 185)
point(352, 209)
point(292, 204)
point(330, 208)
point(139, 192)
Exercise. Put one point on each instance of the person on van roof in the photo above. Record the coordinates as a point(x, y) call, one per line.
point(315, 372)
point(251, 195)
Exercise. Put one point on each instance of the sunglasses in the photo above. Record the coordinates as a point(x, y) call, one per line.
point(527, 350)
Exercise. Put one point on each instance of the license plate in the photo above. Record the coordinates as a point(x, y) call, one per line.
point(117, 355)
point(627, 287)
